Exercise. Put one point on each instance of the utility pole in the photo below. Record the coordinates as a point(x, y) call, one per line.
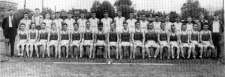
point(42, 4)
point(25, 3)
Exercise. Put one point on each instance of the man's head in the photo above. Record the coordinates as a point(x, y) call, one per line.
point(177, 19)
point(57, 15)
point(113, 26)
point(100, 27)
point(69, 15)
point(43, 25)
point(11, 11)
point(167, 19)
point(37, 11)
point(163, 24)
point(53, 16)
point(205, 27)
point(119, 13)
point(150, 26)
point(88, 25)
point(184, 27)
point(26, 15)
point(76, 27)
point(33, 25)
point(125, 25)
point(173, 28)
point(82, 15)
point(137, 25)
point(189, 19)
point(64, 27)
point(106, 14)
point(47, 16)
point(195, 27)
point(93, 15)
point(22, 26)
point(53, 26)
point(131, 15)
point(157, 18)
point(216, 17)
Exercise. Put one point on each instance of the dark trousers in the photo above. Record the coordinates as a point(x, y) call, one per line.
point(216, 39)
point(10, 34)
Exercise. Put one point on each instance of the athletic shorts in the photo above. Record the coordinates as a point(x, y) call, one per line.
point(207, 44)
point(113, 44)
point(22, 43)
point(151, 44)
point(32, 42)
point(174, 44)
point(100, 43)
point(64, 43)
point(42, 42)
point(194, 43)
point(88, 42)
point(125, 44)
point(163, 43)
point(138, 43)
point(53, 42)
point(75, 43)
point(184, 45)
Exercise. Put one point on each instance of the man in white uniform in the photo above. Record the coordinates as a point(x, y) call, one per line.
point(131, 23)
point(157, 24)
point(168, 24)
point(69, 21)
point(189, 24)
point(26, 21)
point(58, 21)
point(94, 22)
point(36, 18)
point(143, 23)
point(82, 22)
point(48, 21)
point(106, 22)
point(178, 24)
point(119, 22)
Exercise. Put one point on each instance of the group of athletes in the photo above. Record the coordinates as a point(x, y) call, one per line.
point(119, 35)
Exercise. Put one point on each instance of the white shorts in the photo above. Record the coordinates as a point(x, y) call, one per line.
point(99, 43)
point(207, 44)
point(125, 44)
point(42, 42)
point(75, 43)
point(184, 45)
point(174, 44)
point(151, 44)
point(53, 42)
point(138, 43)
point(113, 44)
point(64, 43)
point(88, 42)
point(163, 43)
point(22, 43)
point(193, 43)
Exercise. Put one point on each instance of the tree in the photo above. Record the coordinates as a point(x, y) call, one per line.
point(125, 6)
point(20, 13)
point(173, 15)
point(192, 8)
point(220, 13)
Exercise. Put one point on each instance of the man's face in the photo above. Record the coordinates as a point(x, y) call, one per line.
point(150, 26)
point(106, 15)
point(138, 25)
point(32, 26)
point(25, 15)
point(167, 18)
point(11, 12)
point(53, 27)
point(195, 28)
point(64, 27)
point(53, 16)
point(75, 27)
point(22, 27)
point(88, 25)
point(184, 27)
point(189, 19)
point(178, 19)
point(43, 26)
point(205, 27)
point(93, 15)
point(69, 16)
point(37, 11)
point(113, 26)
point(216, 17)
point(119, 14)
point(163, 26)
point(131, 15)
point(125, 26)
point(57, 15)
point(82, 15)
point(47, 16)
point(173, 28)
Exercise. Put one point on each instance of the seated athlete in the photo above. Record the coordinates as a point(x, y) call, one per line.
point(151, 38)
point(138, 40)
point(76, 36)
point(174, 42)
point(53, 40)
point(163, 41)
point(43, 39)
point(113, 39)
point(33, 35)
point(23, 40)
point(88, 40)
point(100, 40)
point(206, 40)
point(184, 40)
point(195, 42)
point(64, 40)
point(125, 40)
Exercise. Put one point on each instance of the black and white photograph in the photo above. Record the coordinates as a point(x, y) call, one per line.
point(112, 38)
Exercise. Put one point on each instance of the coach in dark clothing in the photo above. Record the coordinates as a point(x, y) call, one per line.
point(9, 26)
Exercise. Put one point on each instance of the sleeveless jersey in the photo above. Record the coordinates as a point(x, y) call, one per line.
point(113, 37)
point(205, 36)
point(138, 36)
point(125, 37)
point(88, 36)
point(163, 36)
point(184, 38)
point(64, 36)
point(53, 36)
point(44, 35)
point(151, 36)
point(33, 34)
point(173, 37)
point(76, 36)
point(101, 36)
point(194, 36)
point(23, 36)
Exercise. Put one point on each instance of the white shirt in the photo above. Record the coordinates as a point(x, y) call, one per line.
point(27, 23)
point(36, 19)
point(48, 23)
point(157, 26)
point(189, 26)
point(168, 26)
point(82, 24)
point(119, 23)
point(106, 24)
point(143, 25)
point(216, 26)
point(94, 23)
point(69, 23)
point(10, 21)
point(58, 23)
point(131, 24)
point(178, 26)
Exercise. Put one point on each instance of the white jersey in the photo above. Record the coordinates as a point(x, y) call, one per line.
point(27, 23)
point(189, 26)
point(58, 23)
point(119, 23)
point(144, 25)
point(178, 26)
point(37, 19)
point(48, 23)
point(94, 23)
point(69, 23)
point(106, 24)
point(82, 24)
point(157, 26)
point(168, 26)
point(216, 26)
point(131, 24)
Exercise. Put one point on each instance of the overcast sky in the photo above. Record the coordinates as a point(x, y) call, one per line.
point(158, 5)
